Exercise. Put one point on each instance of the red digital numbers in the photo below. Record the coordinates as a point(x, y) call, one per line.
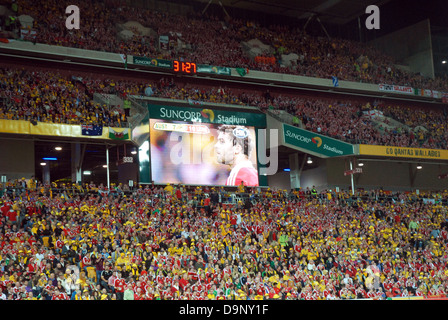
point(176, 65)
point(185, 67)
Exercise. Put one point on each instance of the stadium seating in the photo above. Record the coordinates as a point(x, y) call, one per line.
point(31, 98)
point(201, 38)
point(51, 97)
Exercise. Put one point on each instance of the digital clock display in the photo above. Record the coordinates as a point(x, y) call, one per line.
point(184, 67)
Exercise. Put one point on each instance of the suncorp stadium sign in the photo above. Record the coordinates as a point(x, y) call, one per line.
point(184, 115)
point(153, 62)
point(206, 115)
point(315, 143)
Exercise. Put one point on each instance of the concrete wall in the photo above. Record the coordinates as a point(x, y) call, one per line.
point(317, 177)
point(410, 46)
point(280, 180)
point(17, 158)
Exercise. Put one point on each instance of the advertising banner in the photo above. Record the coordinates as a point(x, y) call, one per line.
point(206, 115)
point(401, 152)
point(213, 69)
point(53, 129)
point(395, 88)
point(316, 143)
point(152, 62)
point(409, 90)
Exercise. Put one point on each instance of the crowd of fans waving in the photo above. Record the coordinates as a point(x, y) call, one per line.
point(85, 242)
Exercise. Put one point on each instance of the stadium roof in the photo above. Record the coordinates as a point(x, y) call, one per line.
point(328, 11)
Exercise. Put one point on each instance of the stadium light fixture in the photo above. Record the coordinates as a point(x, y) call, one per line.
point(134, 152)
point(309, 161)
point(360, 164)
point(87, 173)
point(58, 148)
point(419, 166)
point(104, 165)
point(43, 163)
point(443, 61)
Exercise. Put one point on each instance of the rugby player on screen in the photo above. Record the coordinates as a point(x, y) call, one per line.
point(234, 147)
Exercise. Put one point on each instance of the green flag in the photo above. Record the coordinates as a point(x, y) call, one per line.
point(418, 92)
point(295, 120)
point(242, 71)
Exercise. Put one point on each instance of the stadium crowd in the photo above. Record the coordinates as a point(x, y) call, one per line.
point(200, 38)
point(49, 96)
point(84, 242)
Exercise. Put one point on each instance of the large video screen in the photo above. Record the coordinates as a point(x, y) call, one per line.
point(202, 153)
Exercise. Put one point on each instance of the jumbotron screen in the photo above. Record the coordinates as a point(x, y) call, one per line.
point(202, 153)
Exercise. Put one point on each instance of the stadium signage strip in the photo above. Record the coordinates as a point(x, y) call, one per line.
point(316, 143)
point(395, 88)
point(410, 90)
point(203, 68)
point(160, 63)
point(205, 115)
point(56, 129)
point(401, 152)
point(151, 62)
